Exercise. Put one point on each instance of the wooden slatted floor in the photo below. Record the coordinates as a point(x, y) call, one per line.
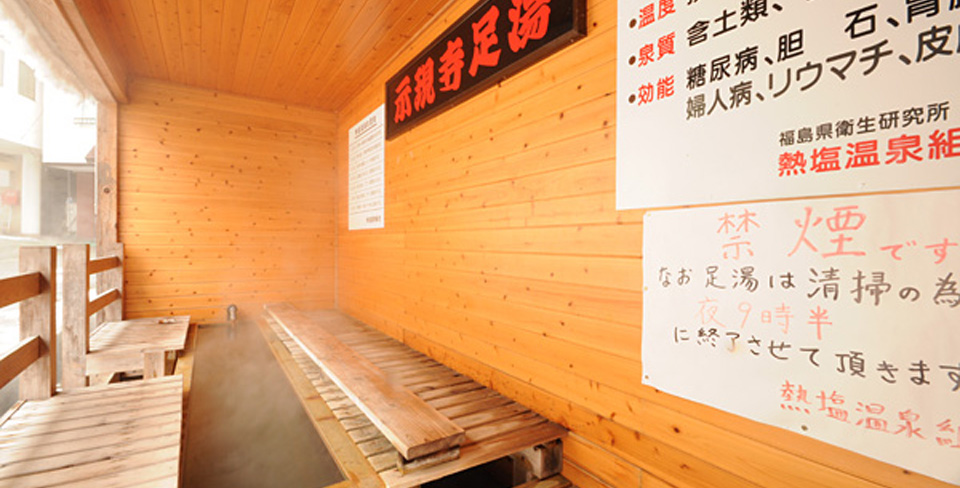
point(495, 425)
point(118, 435)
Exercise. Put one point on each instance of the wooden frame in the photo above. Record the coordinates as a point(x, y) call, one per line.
point(103, 75)
point(77, 308)
point(34, 359)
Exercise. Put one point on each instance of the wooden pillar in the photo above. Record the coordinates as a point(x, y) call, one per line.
point(107, 244)
point(75, 337)
point(38, 317)
point(107, 128)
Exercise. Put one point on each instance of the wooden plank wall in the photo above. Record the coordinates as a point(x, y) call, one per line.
point(223, 200)
point(503, 256)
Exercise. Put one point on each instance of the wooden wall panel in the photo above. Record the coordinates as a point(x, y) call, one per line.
point(503, 256)
point(224, 199)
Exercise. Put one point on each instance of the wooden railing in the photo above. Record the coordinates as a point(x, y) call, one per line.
point(78, 308)
point(34, 360)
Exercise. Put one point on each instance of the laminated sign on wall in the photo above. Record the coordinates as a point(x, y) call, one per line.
point(836, 318)
point(772, 99)
point(366, 159)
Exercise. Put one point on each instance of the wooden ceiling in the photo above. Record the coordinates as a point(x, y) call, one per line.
point(314, 53)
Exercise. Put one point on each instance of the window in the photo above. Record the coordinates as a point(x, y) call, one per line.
point(28, 82)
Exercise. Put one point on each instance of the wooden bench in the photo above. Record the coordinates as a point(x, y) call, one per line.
point(328, 344)
point(111, 345)
point(114, 435)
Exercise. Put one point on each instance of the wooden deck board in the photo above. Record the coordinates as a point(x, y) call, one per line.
point(495, 426)
point(415, 428)
point(110, 436)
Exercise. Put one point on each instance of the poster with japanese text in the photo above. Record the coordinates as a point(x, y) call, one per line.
point(837, 318)
point(366, 160)
point(770, 99)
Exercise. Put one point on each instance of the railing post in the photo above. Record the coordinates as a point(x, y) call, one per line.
point(38, 317)
point(109, 280)
point(75, 337)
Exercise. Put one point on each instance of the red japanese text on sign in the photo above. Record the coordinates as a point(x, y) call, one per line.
point(485, 38)
point(425, 94)
point(403, 105)
point(531, 19)
point(451, 65)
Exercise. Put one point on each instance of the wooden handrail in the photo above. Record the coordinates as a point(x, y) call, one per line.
point(18, 359)
point(18, 288)
point(103, 264)
point(102, 300)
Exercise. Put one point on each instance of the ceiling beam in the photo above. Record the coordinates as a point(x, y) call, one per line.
point(70, 36)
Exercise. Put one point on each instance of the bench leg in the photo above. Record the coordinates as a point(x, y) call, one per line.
point(538, 462)
point(154, 364)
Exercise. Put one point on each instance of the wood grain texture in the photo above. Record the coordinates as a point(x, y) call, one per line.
point(131, 344)
point(20, 287)
point(311, 53)
point(223, 199)
point(504, 257)
point(495, 426)
point(72, 45)
point(14, 361)
point(115, 435)
point(415, 428)
point(75, 337)
point(38, 317)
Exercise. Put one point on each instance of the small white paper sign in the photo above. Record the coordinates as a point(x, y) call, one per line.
point(836, 318)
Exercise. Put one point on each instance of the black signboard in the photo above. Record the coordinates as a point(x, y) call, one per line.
point(494, 40)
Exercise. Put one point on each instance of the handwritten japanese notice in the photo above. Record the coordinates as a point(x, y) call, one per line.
point(770, 99)
point(838, 318)
point(492, 41)
point(366, 159)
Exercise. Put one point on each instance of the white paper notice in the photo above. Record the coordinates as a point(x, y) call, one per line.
point(732, 100)
point(837, 318)
point(366, 172)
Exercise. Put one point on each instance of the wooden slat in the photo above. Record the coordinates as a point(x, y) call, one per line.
point(20, 287)
point(415, 428)
point(102, 300)
point(476, 454)
point(100, 265)
point(350, 459)
point(112, 435)
point(18, 359)
point(489, 416)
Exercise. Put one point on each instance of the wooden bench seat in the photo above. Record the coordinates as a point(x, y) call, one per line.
point(494, 426)
point(124, 434)
point(136, 344)
point(96, 343)
point(117, 435)
point(415, 428)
